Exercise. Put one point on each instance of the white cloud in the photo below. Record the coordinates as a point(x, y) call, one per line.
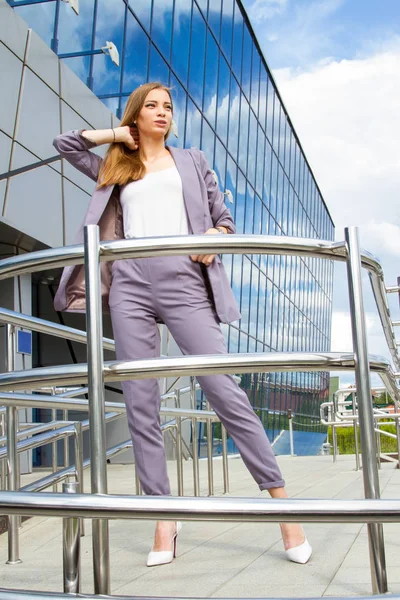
point(342, 341)
point(385, 237)
point(296, 32)
point(346, 115)
point(265, 9)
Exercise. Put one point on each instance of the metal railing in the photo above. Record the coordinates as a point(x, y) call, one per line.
point(14, 319)
point(10, 317)
point(96, 372)
point(341, 412)
point(52, 432)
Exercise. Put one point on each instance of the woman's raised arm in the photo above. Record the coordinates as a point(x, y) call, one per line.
point(75, 146)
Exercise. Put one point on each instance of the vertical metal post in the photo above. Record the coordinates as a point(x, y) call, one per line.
point(78, 452)
point(195, 454)
point(366, 418)
point(179, 463)
point(290, 417)
point(334, 432)
point(225, 459)
point(12, 453)
point(397, 424)
point(66, 442)
point(71, 546)
point(193, 393)
point(378, 445)
point(98, 464)
point(210, 458)
point(3, 463)
point(54, 448)
point(78, 446)
point(355, 428)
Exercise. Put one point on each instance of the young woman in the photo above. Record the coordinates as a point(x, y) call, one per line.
point(146, 188)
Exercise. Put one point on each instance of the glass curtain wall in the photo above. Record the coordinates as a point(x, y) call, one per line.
point(226, 104)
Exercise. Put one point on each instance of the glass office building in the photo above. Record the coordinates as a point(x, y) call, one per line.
point(227, 104)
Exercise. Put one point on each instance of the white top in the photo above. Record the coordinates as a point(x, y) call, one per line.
point(154, 205)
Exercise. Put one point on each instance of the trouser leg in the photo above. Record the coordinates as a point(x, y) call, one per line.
point(136, 336)
point(196, 330)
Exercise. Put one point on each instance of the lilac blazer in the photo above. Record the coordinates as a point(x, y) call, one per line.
point(205, 208)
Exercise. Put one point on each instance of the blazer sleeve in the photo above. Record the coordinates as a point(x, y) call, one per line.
point(220, 213)
point(76, 150)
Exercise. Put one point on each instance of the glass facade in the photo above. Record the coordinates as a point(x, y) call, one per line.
point(227, 104)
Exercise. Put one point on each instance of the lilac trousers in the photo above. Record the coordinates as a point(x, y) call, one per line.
point(173, 289)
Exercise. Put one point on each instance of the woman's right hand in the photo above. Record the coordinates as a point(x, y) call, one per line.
point(128, 136)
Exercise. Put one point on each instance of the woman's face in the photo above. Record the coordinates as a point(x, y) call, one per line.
point(156, 114)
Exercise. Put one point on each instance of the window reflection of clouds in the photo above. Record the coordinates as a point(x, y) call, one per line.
point(243, 133)
point(249, 210)
point(110, 23)
point(220, 163)
point(214, 17)
point(161, 27)
point(270, 111)
point(237, 42)
point(246, 62)
point(193, 126)
point(240, 202)
point(260, 161)
point(158, 69)
point(227, 27)
point(255, 80)
point(211, 80)
point(223, 99)
point(75, 33)
point(41, 18)
point(208, 142)
point(231, 172)
point(180, 39)
point(136, 55)
point(234, 111)
point(252, 150)
point(179, 100)
point(142, 9)
point(197, 54)
point(106, 76)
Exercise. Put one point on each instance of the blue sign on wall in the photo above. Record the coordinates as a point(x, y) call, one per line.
point(24, 342)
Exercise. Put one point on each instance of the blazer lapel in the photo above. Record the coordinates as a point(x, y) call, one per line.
point(191, 189)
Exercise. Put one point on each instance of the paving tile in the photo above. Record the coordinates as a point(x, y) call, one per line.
point(221, 559)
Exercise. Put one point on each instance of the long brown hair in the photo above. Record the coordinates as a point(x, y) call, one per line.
point(121, 164)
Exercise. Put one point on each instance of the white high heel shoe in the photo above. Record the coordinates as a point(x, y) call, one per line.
point(164, 556)
point(300, 554)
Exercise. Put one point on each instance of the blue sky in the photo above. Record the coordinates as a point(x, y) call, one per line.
point(337, 66)
point(298, 33)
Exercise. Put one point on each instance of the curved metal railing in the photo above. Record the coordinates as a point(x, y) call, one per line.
point(42, 326)
point(181, 366)
point(92, 252)
point(236, 244)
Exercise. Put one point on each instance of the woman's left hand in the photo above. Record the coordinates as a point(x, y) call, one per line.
point(206, 259)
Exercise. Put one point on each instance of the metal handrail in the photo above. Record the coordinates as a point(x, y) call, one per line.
point(54, 435)
point(47, 401)
point(62, 474)
point(31, 595)
point(93, 251)
point(261, 362)
point(34, 429)
point(48, 327)
point(288, 510)
point(200, 244)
